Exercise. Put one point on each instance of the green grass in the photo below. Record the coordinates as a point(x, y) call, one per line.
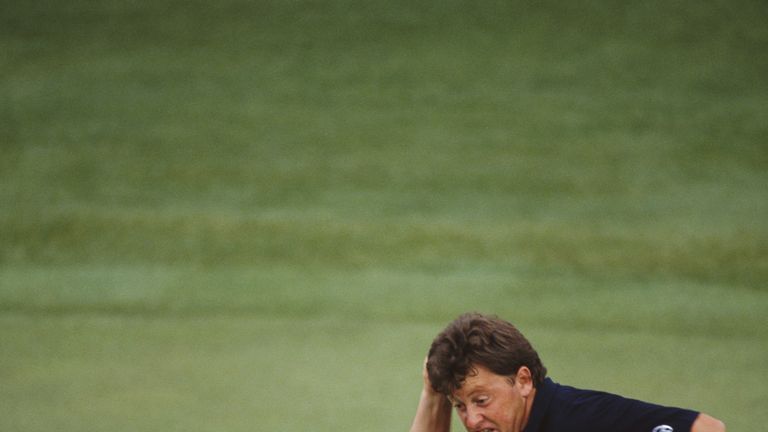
point(257, 214)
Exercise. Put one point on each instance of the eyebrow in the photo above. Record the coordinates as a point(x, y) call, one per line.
point(478, 389)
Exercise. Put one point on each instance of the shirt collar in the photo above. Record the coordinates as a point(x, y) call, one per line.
point(544, 394)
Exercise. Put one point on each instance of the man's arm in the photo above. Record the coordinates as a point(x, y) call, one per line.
point(434, 411)
point(706, 423)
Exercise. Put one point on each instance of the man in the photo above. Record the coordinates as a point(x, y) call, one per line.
point(491, 374)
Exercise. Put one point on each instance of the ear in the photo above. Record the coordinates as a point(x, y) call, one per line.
point(524, 381)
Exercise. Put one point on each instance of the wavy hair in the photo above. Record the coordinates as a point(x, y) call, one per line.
point(473, 340)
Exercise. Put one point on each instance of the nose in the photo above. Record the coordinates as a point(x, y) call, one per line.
point(472, 418)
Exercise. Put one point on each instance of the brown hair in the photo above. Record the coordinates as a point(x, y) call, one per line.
point(474, 339)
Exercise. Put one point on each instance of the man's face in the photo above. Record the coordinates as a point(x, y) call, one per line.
point(487, 402)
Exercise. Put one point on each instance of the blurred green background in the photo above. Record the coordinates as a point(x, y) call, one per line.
point(246, 215)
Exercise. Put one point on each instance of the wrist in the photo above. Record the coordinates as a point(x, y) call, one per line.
point(435, 399)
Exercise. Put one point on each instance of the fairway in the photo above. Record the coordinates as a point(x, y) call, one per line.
point(255, 215)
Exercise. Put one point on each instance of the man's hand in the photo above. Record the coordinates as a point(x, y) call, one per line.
point(425, 376)
point(706, 423)
point(434, 411)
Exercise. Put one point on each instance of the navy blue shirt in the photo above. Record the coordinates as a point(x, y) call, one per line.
point(559, 408)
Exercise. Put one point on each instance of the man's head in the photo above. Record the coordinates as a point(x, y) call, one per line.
point(488, 370)
point(473, 340)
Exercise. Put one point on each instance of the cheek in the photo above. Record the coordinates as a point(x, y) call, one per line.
point(507, 415)
point(511, 410)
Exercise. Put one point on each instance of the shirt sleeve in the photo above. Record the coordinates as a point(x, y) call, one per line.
point(593, 411)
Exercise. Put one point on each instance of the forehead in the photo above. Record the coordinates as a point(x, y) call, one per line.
point(480, 379)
